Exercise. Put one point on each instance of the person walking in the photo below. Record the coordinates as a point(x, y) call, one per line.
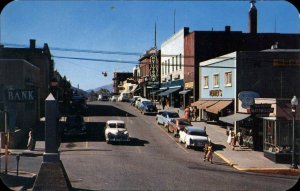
point(240, 138)
point(209, 154)
point(229, 137)
point(205, 149)
point(233, 139)
point(163, 102)
point(30, 143)
point(187, 113)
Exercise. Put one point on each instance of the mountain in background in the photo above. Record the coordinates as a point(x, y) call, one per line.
point(109, 87)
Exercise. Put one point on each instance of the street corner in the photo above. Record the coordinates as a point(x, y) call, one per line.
point(281, 171)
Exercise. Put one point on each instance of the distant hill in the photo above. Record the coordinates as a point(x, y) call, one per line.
point(108, 87)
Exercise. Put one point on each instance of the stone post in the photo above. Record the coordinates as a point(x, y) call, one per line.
point(51, 143)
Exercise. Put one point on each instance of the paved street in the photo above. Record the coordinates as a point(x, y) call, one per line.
point(153, 160)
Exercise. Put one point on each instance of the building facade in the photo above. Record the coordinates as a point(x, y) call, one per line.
point(240, 88)
point(19, 98)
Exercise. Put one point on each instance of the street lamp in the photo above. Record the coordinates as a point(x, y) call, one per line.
point(294, 103)
point(145, 86)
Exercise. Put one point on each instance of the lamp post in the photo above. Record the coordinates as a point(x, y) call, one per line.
point(294, 103)
point(145, 86)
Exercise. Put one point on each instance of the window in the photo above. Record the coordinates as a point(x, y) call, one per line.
point(173, 63)
point(228, 78)
point(216, 80)
point(180, 62)
point(168, 66)
point(162, 68)
point(176, 63)
point(205, 82)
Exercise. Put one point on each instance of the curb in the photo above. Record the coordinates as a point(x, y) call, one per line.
point(283, 171)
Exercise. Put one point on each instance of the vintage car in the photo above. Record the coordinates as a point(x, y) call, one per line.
point(193, 136)
point(115, 130)
point(148, 107)
point(75, 126)
point(165, 117)
point(176, 125)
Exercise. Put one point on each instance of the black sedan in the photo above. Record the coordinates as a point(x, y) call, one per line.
point(148, 107)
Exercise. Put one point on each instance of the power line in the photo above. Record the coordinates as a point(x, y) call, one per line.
point(98, 60)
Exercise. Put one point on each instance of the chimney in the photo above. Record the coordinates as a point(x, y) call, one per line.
point(32, 43)
point(227, 28)
point(252, 24)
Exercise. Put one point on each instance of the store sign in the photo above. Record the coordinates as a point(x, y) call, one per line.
point(215, 93)
point(247, 98)
point(20, 95)
point(261, 110)
point(153, 68)
point(286, 62)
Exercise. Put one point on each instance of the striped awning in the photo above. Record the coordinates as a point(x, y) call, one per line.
point(218, 106)
point(207, 104)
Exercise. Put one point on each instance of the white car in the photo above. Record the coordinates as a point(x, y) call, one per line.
point(115, 130)
point(113, 98)
point(193, 136)
point(165, 117)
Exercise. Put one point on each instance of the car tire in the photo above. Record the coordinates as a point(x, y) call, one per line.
point(187, 146)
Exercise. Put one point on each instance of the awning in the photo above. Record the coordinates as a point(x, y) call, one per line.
point(207, 104)
point(185, 91)
point(235, 117)
point(157, 91)
point(219, 106)
point(198, 103)
point(137, 89)
point(169, 91)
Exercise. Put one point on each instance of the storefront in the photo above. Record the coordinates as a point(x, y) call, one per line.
point(278, 131)
point(171, 92)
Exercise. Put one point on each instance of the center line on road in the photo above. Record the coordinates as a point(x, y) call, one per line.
point(180, 146)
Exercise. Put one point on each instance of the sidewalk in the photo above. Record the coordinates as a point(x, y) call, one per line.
point(242, 159)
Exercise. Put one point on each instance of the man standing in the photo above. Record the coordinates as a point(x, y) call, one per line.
point(163, 102)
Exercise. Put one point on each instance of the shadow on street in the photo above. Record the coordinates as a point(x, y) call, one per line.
point(106, 110)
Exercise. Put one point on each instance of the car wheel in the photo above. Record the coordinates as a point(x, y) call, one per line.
point(187, 146)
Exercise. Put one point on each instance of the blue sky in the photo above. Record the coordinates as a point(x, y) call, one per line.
point(126, 26)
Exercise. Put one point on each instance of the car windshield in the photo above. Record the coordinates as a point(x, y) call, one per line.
point(197, 133)
point(173, 115)
point(147, 103)
point(116, 125)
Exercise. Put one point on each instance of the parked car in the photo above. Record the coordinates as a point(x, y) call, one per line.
point(75, 126)
point(115, 130)
point(148, 107)
point(139, 101)
point(193, 136)
point(165, 117)
point(133, 100)
point(103, 98)
point(124, 96)
point(113, 98)
point(176, 125)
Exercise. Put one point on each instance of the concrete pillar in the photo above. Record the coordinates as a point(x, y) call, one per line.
point(51, 143)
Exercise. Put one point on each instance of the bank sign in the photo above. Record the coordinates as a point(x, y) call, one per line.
point(20, 95)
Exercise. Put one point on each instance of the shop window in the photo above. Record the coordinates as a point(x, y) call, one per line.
point(278, 136)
